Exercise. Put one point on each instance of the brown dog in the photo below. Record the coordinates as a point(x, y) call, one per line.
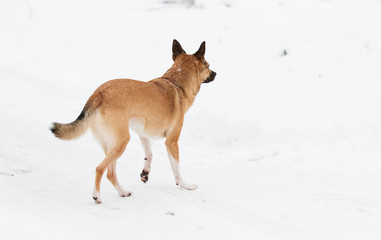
point(153, 109)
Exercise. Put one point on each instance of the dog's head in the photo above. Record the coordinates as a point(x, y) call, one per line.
point(205, 74)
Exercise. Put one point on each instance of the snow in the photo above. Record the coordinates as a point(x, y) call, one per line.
point(282, 146)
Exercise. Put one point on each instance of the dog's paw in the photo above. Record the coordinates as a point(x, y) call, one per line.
point(144, 176)
point(121, 191)
point(125, 194)
point(97, 200)
point(187, 186)
point(97, 197)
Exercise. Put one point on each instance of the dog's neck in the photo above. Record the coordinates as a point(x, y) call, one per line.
point(185, 79)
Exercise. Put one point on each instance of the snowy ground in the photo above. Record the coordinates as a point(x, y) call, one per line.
point(282, 146)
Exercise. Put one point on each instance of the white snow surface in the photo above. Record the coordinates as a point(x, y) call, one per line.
point(282, 146)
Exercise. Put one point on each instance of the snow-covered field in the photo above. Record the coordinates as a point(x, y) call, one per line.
point(284, 144)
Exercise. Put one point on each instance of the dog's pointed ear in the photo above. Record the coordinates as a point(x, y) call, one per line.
point(176, 49)
point(201, 51)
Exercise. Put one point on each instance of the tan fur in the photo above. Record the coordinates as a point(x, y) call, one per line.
point(153, 109)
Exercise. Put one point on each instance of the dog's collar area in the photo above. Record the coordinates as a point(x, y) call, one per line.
point(172, 82)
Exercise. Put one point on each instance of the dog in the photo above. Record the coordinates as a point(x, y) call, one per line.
point(153, 109)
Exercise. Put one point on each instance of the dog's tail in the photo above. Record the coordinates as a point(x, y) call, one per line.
point(80, 125)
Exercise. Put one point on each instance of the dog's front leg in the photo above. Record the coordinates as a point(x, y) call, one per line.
point(148, 159)
point(173, 153)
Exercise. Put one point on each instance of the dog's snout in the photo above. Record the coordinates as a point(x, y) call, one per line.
point(211, 77)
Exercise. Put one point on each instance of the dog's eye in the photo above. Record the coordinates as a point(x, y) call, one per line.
point(205, 67)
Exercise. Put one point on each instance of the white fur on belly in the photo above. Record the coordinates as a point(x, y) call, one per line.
point(137, 125)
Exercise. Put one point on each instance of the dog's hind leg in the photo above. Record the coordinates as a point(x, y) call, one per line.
point(173, 153)
point(148, 159)
point(111, 175)
point(112, 155)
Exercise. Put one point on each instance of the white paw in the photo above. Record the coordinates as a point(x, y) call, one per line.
point(122, 192)
point(125, 194)
point(186, 186)
point(97, 197)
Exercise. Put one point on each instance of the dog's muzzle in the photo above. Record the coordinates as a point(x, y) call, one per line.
point(210, 78)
